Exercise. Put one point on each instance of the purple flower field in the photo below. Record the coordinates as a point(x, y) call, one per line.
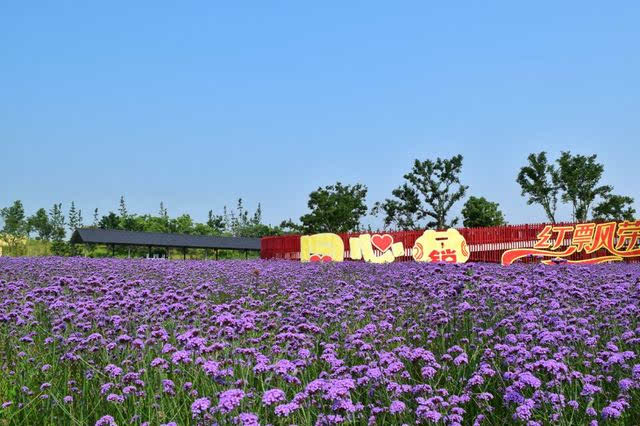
point(104, 342)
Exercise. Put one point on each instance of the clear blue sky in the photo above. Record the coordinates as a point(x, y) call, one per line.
point(199, 103)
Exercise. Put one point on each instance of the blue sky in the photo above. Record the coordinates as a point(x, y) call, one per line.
point(199, 103)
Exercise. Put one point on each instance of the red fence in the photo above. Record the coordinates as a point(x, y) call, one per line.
point(485, 244)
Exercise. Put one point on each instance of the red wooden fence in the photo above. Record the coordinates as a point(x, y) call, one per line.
point(485, 244)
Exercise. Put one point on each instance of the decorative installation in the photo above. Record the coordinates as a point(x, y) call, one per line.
point(321, 248)
point(361, 248)
point(444, 246)
point(582, 237)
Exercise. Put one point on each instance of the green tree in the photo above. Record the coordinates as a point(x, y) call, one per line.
point(128, 222)
point(75, 218)
point(15, 227)
point(96, 219)
point(216, 223)
point(537, 182)
point(478, 212)
point(75, 222)
point(163, 211)
point(240, 222)
point(201, 229)
point(181, 225)
point(578, 177)
point(334, 208)
point(156, 224)
point(615, 207)
point(58, 233)
point(430, 191)
point(110, 221)
point(123, 208)
point(39, 223)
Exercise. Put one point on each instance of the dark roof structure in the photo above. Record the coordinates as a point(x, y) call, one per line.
point(157, 239)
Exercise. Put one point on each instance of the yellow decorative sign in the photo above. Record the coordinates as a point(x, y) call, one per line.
point(444, 246)
point(361, 248)
point(583, 237)
point(321, 248)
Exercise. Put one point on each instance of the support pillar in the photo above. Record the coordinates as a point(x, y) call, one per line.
point(113, 250)
point(184, 253)
point(216, 254)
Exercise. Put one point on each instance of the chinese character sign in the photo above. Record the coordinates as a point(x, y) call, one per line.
point(445, 246)
point(362, 248)
point(321, 248)
point(619, 240)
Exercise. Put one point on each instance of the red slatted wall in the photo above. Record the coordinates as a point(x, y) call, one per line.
point(486, 244)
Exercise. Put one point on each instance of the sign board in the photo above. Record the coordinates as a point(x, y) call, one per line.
point(433, 246)
point(619, 240)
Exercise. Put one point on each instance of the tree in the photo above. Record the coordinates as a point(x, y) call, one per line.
point(430, 191)
point(15, 225)
point(58, 245)
point(240, 223)
point(181, 225)
point(201, 229)
point(96, 220)
point(163, 211)
point(578, 178)
point(334, 208)
point(155, 224)
point(128, 222)
point(123, 208)
point(537, 181)
point(75, 222)
point(478, 212)
point(39, 223)
point(75, 218)
point(615, 207)
point(216, 223)
point(110, 221)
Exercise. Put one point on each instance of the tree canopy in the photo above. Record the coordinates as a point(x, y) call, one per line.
point(238, 223)
point(615, 207)
point(536, 181)
point(334, 208)
point(14, 220)
point(478, 212)
point(578, 178)
point(430, 191)
point(15, 227)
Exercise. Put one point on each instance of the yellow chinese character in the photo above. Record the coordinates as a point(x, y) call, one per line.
point(321, 248)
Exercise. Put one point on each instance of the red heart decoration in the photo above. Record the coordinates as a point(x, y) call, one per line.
point(319, 258)
point(382, 242)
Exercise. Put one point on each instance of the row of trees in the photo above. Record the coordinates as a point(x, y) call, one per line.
point(52, 225)
point(424, 200)
point(576, 180)
point(431, 189)
point(237, 223)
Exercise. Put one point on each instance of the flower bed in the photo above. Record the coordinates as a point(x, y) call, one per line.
point(111, 341)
